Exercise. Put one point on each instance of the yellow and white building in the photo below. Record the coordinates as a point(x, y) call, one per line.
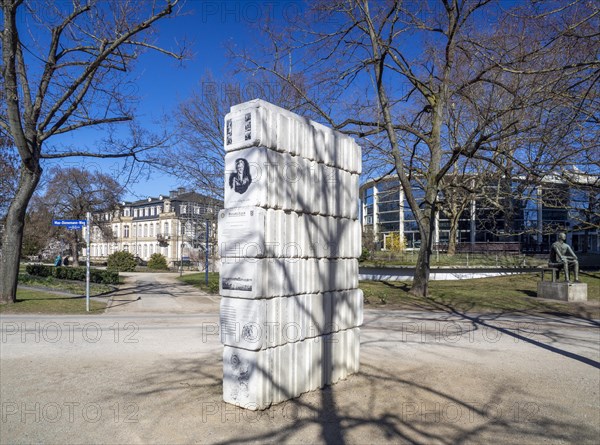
point(173, 225)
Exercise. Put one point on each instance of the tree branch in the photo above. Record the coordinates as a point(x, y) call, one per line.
point(106, 49)
point(91, 123)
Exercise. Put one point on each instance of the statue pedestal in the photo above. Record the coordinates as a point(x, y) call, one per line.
point(562, 291)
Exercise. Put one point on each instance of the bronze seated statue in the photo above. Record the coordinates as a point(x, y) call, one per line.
point(562, 257)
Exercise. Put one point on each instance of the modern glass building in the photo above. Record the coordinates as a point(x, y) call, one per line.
point(528, 215)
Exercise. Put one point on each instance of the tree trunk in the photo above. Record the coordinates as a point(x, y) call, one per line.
point(452, 235)
point(13, 234)
point(74, 244)
point(420, 286)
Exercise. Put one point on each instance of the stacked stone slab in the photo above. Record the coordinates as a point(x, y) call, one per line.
point(289, 240)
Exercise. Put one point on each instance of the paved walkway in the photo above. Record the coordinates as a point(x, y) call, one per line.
point(149, 371)
point(159, 293)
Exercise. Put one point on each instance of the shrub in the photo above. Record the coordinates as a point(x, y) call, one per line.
point(73, 273)
point(157, 262)
point(69, 273)
point(121, 262)
point(104, 276)
point(394, 242)
point(365, 255)
point(39, 270)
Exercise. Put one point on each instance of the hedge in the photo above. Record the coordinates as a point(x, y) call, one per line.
point(73, 273)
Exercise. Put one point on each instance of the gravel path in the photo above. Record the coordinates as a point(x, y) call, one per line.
point(149, 371)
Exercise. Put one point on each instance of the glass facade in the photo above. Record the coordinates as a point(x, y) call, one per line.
point(525, 214)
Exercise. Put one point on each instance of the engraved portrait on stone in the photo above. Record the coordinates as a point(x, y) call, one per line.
point(240, 179)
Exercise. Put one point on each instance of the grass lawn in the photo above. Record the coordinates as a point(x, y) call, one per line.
point(73, 287)
point(408, 259)
point(51, 296)
point(516, 293)
point(40, 302)
point(199, 280)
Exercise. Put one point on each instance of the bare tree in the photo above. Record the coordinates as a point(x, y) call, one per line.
point(64, 68)
point(431, 83)
point(72, 192)
point(199, 159)
point(457, 192)
point(39, 231)
point(8, 175)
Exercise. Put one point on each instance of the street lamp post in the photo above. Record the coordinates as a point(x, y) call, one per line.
point(181, 260)
point(206, 256)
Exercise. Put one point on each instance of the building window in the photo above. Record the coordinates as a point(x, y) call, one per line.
point(369, 196)
point(145, 229)
point(151, 229)
point(389, 216)
point(126, 247)
point(166, 228)
point(125, 231)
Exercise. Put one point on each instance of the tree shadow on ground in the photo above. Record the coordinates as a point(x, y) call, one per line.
point(391, 403)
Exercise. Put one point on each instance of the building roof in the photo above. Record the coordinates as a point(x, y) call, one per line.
point(176, 196)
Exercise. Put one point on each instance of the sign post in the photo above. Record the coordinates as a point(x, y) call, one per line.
point(87, 263)
point(71, 224)
point(78, 224)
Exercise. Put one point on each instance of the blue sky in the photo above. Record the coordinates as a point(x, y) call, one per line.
point(161, 83)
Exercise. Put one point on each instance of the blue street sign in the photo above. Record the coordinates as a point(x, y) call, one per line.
point(69, 223)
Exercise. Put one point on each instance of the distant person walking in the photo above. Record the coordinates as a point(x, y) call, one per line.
point(58, 260)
